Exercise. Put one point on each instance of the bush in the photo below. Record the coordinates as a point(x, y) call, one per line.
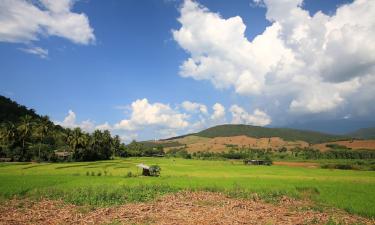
point(129, 174)
point(155, 170)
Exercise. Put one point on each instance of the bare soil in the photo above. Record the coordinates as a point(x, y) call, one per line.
point(221, 144)
point(353, 144)
point(181, 208)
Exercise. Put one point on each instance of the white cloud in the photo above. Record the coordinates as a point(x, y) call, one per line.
point(41, 52)
point(70, 122)
point(194, 107)
point(314, 64)
point(157, 114)
point(24, 21)
point(218, 115)
point(104, 126)
point(241, 116)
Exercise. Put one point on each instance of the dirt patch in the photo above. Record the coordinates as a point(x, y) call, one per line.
point(353, 144)
point(220, 144)
point(298, 164)
point(181, 208)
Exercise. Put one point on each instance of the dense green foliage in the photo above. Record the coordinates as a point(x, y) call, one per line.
point(229, 130)
point(349, 190)
point(139, 149)
point(11, 111)
point(364, 133)
point(33, 137)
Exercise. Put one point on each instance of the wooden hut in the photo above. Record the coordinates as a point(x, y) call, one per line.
point(145, 169)
point(257, 162)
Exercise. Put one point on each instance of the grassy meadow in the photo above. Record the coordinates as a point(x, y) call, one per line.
point(109, 182)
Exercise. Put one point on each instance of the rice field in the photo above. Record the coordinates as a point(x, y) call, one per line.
point(116, 182)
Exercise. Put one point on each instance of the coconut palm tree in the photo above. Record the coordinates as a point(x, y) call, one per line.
point(24, 128)
point(77, 138)
point(8, 133)
point(42, 131)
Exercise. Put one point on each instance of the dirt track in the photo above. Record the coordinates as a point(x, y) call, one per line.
point(182, 208)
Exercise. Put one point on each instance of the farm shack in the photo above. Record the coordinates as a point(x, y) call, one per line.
point(63, 155)
point(257, 162)
point(145, 169)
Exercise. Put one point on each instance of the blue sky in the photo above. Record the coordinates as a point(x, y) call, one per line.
point(118, 57)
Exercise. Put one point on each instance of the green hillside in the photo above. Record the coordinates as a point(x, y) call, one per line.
point(364, 133)
point(11, 111)
point(264, 132)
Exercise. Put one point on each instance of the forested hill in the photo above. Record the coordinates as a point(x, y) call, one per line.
point(26, 136)
point(288, 134)
point(11, 111)
point(364, 133)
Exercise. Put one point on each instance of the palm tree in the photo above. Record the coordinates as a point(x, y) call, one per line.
point(43, 129)
point(116, 142)
point(8, 134)
point(77, 138)
point(25, 130)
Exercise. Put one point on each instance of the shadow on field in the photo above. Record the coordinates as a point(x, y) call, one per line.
point(34, 165)
point(70, 166)
point(13, 164)
point(101, 166)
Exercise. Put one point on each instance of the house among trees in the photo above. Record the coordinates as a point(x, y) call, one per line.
point(63, 155)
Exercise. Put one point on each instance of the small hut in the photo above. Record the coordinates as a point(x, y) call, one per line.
point(257, 162)
point(145, 169)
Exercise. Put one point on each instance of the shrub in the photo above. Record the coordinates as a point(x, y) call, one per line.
point(155, 170)
point(129, 174)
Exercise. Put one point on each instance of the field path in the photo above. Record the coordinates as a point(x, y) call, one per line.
point(181, 208)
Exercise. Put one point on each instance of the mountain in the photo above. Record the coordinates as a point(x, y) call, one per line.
point(224, 137)
point(11, 111)
point(364, 133)
point(333, 126)
point(288, 134)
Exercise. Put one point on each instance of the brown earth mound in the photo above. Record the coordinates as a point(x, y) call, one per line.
point(182, 208)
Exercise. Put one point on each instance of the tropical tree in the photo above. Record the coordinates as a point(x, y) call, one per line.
point(116, 143)
point(24, 129)
point(42, 131)
point(77, 138)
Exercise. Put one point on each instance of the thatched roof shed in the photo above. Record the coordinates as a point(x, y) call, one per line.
point(145, 169)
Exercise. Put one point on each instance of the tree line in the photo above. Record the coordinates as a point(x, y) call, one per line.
point(37, 138)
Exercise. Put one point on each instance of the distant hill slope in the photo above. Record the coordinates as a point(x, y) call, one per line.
point(288, 134)
point(364, 133)
point(11, 111)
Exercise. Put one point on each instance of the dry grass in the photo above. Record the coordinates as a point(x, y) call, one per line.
point(181, 208)
point(355, 144)
point(220, 144)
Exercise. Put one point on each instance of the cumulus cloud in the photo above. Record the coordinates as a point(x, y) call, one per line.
point(104, 126)
point(34, 50)
point(218, 114)
point(70, 122)
point(24, 21)
point(160, 115)
point(241, 116)
point(194, 107)
point(314, 64)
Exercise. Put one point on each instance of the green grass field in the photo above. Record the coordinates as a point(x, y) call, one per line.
point(353, 191)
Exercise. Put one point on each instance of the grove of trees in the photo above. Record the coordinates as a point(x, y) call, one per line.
point(40, 140)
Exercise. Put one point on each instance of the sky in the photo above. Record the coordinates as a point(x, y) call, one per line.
point(149, 69)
